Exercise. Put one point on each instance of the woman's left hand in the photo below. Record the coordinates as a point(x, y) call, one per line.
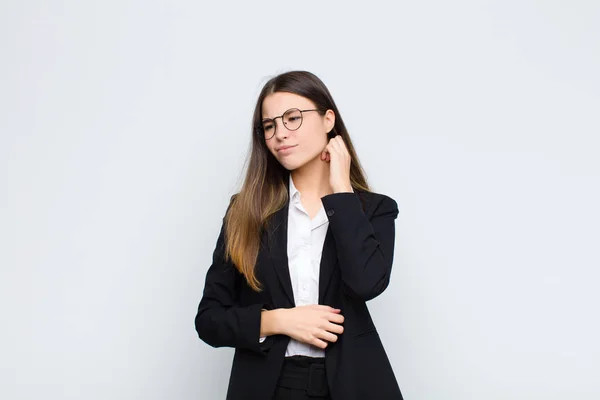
point(339, 160)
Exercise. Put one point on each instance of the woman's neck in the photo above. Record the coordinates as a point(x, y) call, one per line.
point(312, 179)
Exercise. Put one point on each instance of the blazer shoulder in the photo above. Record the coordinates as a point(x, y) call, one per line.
point(377, 203)
point(231, 202)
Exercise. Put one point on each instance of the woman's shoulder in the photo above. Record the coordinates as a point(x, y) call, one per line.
point(375, 196)
point(377, 202)
point(232, 200)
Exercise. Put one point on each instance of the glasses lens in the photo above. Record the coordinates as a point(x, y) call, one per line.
point(292, 119)
point(268, 128)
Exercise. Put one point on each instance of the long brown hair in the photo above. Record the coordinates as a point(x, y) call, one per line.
point(264, 190)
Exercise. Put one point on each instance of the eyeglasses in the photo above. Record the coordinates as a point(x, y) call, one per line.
point(292, 120)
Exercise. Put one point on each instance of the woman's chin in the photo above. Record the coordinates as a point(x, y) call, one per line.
point(289, 164)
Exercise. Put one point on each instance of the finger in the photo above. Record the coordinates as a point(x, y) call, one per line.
point(333, 144)
point(323, 307)
point(336, 318)
point(326, 151)
point(342, 144)
point(336, 149)
point(326, 307)
point(318, 343)
point(328, 336)
point(334, 328)
point(339, 144)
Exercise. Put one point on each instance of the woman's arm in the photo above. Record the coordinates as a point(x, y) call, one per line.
point(314, 324)
point(270, 323)
point(221, 321)
point(365, 247)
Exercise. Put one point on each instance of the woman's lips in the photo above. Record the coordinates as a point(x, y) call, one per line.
point(283, 150)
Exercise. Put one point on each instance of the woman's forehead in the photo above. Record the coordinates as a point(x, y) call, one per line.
point(277, 103)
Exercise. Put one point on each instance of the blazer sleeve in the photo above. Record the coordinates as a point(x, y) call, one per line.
point(221, 321)
point(365, 245)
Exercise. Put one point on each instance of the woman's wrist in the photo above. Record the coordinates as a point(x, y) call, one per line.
point(270, 322)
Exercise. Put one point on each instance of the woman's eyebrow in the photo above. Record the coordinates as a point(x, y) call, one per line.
point(267, 118)
point(270, 119)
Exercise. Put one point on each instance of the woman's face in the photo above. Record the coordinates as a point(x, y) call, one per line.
point(295, 148)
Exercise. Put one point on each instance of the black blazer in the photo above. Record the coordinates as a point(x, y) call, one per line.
point(356, 265)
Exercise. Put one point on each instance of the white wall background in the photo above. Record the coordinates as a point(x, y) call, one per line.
point(123, 128)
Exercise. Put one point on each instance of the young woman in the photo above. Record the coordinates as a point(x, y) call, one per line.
point(303, 246)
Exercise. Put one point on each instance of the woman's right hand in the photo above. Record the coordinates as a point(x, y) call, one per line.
point(314, 324)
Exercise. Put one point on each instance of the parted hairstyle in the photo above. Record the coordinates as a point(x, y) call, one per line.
point(265, 187)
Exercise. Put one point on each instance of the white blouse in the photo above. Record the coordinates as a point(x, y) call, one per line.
point(306, 238)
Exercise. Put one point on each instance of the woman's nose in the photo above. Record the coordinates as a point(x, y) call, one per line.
point(281, 131)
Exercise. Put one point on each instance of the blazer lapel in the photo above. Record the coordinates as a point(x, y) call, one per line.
point(328, 263)
point(278, 240)
point(278, 250)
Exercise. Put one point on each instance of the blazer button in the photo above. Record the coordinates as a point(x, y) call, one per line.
point(330, 213)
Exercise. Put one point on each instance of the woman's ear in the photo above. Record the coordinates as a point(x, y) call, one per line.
point(329, 120)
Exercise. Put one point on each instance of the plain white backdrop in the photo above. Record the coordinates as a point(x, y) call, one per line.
point(124, 127)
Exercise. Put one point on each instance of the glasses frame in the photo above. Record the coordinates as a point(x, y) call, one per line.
point(261, 131)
